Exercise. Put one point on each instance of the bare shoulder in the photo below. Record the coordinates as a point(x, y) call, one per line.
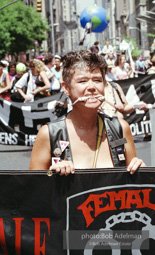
point(41, 153)
point(43, 130)
point(125, 127)
point(43, 134)
point(43, 74)
point(42, 139)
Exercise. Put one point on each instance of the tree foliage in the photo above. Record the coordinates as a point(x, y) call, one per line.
point(136, 52)
point(20, 26)
point(151, 35)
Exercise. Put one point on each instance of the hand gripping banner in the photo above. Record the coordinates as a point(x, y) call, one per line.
point(94, 211)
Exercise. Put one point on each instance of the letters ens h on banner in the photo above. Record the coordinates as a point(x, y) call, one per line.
point(95, 211)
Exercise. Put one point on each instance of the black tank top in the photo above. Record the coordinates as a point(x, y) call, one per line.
point(58, 132)
point(39, 83)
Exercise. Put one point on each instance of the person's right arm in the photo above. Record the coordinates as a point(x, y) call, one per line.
point(20, 84)
point(50, 76)
point(41, 153)
point(26, 97)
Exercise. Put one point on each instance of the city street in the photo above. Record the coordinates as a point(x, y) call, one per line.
point(18, 157)
point(14, 157)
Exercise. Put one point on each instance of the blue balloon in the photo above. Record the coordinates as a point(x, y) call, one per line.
point(96, 16)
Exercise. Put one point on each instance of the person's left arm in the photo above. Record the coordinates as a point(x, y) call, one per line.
point(129, 108)
point(8, 85)
point(132, 162)
point(50, 76)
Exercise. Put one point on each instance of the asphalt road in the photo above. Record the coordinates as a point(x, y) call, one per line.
point(14, 157)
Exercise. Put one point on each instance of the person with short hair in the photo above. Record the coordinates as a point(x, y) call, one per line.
point(95, 47)
point(107, 48)
point(109, 74)
point(12, 70)
point(84, 138)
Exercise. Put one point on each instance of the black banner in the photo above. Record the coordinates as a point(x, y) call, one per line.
point(91, 212)
point(20, 122)
point(139, 89)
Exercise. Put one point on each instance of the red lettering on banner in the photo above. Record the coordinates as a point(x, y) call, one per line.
point(2, 237)
point(146, 199)
point(134, 198)
point(86, 209)
point(107, 202)
point(18, 235)
point(37, 247)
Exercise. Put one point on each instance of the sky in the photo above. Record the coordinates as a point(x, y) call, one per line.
point(82, 4)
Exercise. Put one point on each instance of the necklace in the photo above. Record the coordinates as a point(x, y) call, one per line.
point(84, 128)
point(99, 139)
point(100, 128)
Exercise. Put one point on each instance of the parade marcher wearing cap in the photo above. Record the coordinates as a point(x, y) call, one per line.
point(111, 56)
point(5, 84)
point(57, 70)
point(15, 95)
point(109, 74)
point(82, 139)
point(6, 64)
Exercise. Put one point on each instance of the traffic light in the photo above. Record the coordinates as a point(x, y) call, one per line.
point(39, 5)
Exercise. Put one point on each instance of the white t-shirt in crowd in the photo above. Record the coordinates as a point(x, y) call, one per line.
point(30, 84)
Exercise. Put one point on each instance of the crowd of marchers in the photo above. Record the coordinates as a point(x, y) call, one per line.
point(122, 66)
point(35, 79)
point(42, 77)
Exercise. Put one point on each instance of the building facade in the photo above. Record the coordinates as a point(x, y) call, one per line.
point(132, 18)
